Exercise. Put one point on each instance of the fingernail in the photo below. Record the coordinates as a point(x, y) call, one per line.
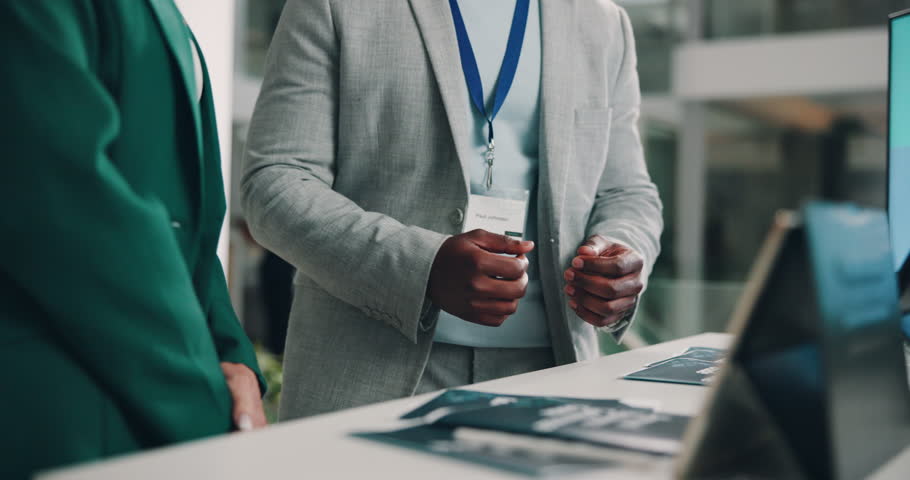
point(570, 275)
point(570, 290)
point(244, 423)
point(578, 263)
point(527, 244)
point(573, 305)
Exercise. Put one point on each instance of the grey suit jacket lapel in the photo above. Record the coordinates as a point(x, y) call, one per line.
point(435, 22)
point(557, 104)
point(557, 121)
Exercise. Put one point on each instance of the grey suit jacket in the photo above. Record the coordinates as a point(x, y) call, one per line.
point(355, 173)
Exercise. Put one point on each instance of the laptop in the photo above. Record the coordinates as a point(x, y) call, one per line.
point(815, 384)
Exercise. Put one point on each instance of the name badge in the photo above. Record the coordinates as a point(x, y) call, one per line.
point(498, 210)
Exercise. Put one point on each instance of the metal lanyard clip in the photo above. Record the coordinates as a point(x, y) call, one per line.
point(489, 156)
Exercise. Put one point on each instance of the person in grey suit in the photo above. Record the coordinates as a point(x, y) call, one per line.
point(366, 157)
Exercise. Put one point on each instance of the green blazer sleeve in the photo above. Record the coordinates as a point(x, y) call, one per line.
point(101, 260)
point(230, 340)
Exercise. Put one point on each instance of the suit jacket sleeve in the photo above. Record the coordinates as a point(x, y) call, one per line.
point(366, 259)
point(627, 208)
point(100, 260)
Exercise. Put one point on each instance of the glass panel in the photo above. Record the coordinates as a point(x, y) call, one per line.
point(658, 27)
point(763, 155)
point(661, 143)
point(725, 18)
point(772, 153)
point(258, 19)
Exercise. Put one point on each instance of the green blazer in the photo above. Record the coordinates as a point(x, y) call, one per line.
point(114, 311)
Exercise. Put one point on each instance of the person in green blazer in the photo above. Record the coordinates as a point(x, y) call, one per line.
point(116, 330)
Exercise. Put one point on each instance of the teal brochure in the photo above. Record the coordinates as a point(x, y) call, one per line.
point(443, 441)
point(452, 401)
point(538, 436)
point(696, 366)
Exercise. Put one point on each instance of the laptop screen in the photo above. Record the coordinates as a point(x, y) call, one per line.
point(899, 139)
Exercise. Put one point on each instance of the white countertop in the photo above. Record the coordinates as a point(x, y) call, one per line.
point(320, 447)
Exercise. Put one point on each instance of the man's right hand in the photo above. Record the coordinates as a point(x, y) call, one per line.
point(471, 281)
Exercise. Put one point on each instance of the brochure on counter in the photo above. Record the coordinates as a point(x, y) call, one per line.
point(696, 366)
point(538, 435)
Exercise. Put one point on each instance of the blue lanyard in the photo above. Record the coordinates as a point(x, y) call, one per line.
point(506, 72)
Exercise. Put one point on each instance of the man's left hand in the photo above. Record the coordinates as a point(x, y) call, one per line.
point(604, 281)
point(244, 386)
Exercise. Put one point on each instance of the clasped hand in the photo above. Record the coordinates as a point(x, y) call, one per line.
point(604, 281)
point(471, 280)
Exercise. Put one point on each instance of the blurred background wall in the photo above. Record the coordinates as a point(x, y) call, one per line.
point(749, 107)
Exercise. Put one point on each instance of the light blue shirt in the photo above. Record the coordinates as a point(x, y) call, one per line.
point(517, 129)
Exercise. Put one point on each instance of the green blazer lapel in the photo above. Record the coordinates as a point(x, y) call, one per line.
point(177, 36)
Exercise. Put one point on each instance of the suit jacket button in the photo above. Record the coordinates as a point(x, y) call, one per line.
point(457, 217)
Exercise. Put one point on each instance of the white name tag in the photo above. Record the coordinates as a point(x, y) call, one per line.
point(498, 211)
